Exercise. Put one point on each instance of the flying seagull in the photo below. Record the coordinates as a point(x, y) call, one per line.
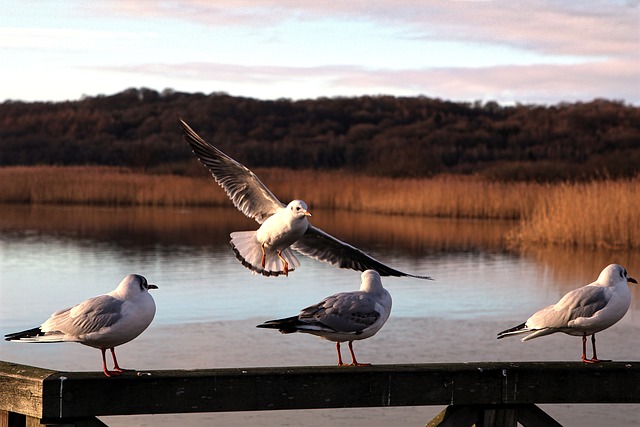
point(583, 311)
point(268, 250)
point(103, 322)
point(347, 316)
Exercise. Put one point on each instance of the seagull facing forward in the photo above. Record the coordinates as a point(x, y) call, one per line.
point(268, 250)
point(347, 316)
point(583, 311)
point(103, 322)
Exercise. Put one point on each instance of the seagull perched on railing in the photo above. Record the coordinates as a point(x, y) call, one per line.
point(268, 250)
point(347, 316)
point(583, 311)
point(103, 322)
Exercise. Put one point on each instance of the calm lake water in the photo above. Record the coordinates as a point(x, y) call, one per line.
point(53, 257)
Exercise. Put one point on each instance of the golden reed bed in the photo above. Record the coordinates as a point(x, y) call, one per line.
point(598, 213)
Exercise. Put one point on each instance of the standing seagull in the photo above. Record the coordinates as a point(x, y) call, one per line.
point(102, 322)
point(347, 316)
point(583, 311)
point(267, 250)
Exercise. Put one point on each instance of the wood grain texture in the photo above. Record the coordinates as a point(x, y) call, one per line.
point(62, 395)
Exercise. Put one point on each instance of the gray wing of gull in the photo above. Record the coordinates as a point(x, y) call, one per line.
point(89, 316)
point(243, 187)
point(583, 302)
point(322, 246)
point(348, 312)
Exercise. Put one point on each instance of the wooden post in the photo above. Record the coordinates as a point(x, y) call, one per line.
point(493, 416)
point(486, 393)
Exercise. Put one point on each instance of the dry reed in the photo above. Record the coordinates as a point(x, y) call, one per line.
point(457, 197)
point(598, 213)
point(443, 196)
point(103, 186)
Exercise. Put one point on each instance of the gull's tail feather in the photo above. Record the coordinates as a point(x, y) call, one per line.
point(287, 325)
point(249, 253)
point(35, 335)
point(520, 329)
point(524, 329)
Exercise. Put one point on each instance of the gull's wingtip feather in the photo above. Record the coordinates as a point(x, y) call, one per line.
point(29, 333)
point(520, 329)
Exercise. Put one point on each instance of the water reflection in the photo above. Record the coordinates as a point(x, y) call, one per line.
point(205, 226)
point(52, 247)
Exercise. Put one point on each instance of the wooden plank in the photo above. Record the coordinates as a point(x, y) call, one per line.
point(11, 419)
point(455, 416)
point(72, 422)
point(571, 382)
point(500, 416)
point(85, 394)
point(89, 394)
point(533, 416)
point(21, 388)
point(528, 415)
point(33, 422)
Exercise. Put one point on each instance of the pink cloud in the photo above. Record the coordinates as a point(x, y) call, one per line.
point(594, 28)
point(616, 79)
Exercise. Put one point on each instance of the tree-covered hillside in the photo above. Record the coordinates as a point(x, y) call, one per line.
point(381, 135)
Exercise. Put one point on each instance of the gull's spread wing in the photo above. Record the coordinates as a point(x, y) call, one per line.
point(243, 187)
point(322, 246)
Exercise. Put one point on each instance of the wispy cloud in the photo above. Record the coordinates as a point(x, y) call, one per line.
point(515, 50)
point(551, 27)
point(508, 84)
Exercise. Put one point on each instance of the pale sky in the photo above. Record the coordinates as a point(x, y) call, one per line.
point(530, 52)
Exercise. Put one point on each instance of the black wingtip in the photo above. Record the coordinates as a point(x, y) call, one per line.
point(415, 276)
point(266, 325)
point(284, 326)
point(29, 333)
point(506, 332)
point(396, 273)
point(422, 277)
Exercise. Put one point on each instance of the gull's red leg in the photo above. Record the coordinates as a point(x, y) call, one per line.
point(595, 359)
point(354, 362)
point(264, 256)
point(104, 364)
point(339, 354)
point(115, 361)
point(584, 349)
point(286, 264)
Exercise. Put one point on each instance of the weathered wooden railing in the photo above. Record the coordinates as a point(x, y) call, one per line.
point(486, 394)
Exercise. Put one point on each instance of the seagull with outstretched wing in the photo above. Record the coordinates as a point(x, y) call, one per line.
point(267, 250)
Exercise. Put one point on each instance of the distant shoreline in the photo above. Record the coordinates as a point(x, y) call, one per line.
point(597, 213)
